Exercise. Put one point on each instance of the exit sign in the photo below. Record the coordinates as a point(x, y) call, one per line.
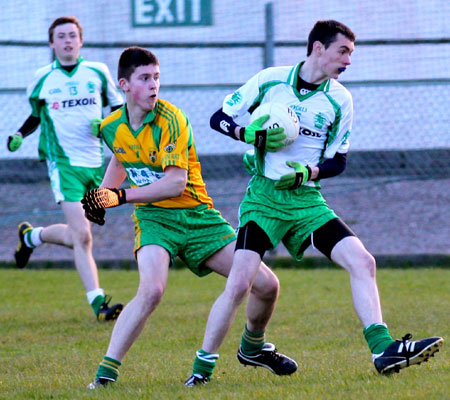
point(171, 12)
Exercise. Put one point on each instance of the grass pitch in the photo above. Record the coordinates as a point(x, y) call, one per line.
point(51, 343)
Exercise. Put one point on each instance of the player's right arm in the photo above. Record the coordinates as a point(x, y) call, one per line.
point(255, 134)
point(115, 174)
point(97, 200)
point(15, 140)
point(240, 104)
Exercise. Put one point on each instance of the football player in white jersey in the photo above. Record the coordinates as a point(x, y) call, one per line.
point(283, 202)
point(67, 98)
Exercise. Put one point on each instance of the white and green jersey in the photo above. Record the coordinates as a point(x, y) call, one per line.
point(325, 117)
point(66, 103)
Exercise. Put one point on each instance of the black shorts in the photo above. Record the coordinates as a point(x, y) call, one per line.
point(327, 236)
point(252, 237)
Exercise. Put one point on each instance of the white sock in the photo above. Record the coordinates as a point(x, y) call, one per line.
point(91, 295)
point(33, 238)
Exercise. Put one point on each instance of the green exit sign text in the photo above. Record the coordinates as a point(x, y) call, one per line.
point(171, 12)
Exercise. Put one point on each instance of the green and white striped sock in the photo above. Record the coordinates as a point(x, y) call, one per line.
point(32, 238)
point(204, 363)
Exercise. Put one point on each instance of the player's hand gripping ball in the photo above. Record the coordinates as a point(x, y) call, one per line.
point(264, 139)
point(280, 116)
point(298, 178)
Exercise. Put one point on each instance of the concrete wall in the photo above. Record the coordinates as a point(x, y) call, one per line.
point(388, 116)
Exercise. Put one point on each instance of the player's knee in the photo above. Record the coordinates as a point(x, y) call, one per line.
point(151, 297)
point(370, 264)
point(238, 291)
point(83, 237)
point(365, 265)
point(267, 289)
point(272, 288)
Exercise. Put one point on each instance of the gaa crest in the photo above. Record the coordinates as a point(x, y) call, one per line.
point(153, 155)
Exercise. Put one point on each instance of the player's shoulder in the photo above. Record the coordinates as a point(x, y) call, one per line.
point(338, 91)
point(113, 117)
point(45, 70)
point(97, 65)
point(167, 110)
point(275, 74)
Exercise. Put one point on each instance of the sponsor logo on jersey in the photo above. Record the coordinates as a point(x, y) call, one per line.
point(135, 147)
point(298, 108)
point(319, 120)
point(119, 150)
point(171, 157)
point(143, 176)
point(90, 87)
point(78, 102)
point(169, 148)
point(55, 105)
point(236, 98)
point(54, 91)
point(307, 132)
point(224, 125)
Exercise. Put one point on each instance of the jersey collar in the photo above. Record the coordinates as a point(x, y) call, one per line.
point(56, 64)
point(293, 80)
point(149, 118)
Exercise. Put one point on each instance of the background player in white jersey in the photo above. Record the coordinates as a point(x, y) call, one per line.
point(283, 201)
point(66, 99)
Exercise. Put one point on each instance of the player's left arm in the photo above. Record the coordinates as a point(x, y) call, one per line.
point(111, 94)
point(302, 174)
point(115, 99)
point(335, 155)
point(171, 185)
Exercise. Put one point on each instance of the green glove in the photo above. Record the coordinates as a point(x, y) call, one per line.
point(294, 180)
point(14, 142)
point(263, 139)
point(95, 126)
point(249, 162)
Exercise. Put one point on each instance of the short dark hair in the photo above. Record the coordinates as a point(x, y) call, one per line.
point(134, 57)
point(62, 21)
point(326, 31)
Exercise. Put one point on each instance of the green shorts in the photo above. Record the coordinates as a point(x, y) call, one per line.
point(71, 183)
point(287, 216)
point(193, 234)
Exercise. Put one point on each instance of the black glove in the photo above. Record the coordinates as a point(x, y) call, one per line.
point(96, 216)
point(103, 198)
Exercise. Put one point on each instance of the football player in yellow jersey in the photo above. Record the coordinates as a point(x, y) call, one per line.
point(153, 146)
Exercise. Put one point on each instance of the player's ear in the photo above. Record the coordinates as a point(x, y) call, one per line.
point(318, 47)
point(123, 83)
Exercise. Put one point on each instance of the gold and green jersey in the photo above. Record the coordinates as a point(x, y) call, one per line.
point(164, 139)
